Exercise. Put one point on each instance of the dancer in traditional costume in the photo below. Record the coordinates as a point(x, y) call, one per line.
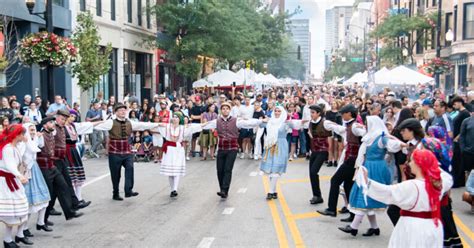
point(36, 189)
point(173, 164)
point(319, 150)
point(351, 132)
point(14, 204)
point(375, 144)
point(120, 153)
point(76, 168)
point(228, 132)
point(419, 199)
point(438, 147)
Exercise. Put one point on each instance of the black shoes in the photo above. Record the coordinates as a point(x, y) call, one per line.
point(173, 194)
point(327, 212)
point(117, 198)
point(344, 210)
point(348, 219)
point(329, 164)
point(222, 194)
point(275, 196)
point(49, 223)
point(23, 240)
point(348, 229)
point(27, 233)
point(44, 228)
point(10, 245)
point(74, 215)
point(269, 196)
point(131, 194)
point(316, 200)
point(82, 204)
point(372, 231)
point(54, 212)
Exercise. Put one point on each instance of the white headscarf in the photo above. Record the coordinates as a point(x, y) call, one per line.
point(375, 128)
point(273, 126)
point(31, 146)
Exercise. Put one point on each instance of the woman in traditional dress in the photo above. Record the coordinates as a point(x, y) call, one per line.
point(207, 139)
point(275, 155)
point(13, 204)
point(435, 144)
point(173, 164)
point(419, 199)
point(36, 189)
point(76, 168)
point(371, 155)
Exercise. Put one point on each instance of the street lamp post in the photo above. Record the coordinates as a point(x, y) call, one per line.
point(47, 16)
point(438, 39)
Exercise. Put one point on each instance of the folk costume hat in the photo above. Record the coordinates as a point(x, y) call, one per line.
point(348, 109)
point(119, 106)
point(46, 120)
point(410, 123)
point(226, 104)
point(64, 113)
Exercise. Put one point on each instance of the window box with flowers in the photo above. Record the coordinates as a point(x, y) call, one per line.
point(45, 49)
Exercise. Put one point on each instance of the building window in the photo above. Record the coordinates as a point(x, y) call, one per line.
point(468, 21)
point(82, 5)
point(455, 31)
point(98, 7)
point(139, 12)
point(148, 16)
point(112, 10)
point(129, 11)
point(448, 25)
point(59, 2)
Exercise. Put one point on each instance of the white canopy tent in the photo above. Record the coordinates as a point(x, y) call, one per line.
point(247, 75)
point(223, 78)
point(402, 75)
point(360, 77)
point(200, 83)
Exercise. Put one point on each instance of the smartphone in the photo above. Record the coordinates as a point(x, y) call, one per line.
point(233, 84)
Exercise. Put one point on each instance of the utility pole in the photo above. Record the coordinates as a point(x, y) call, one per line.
point(438, 39)
point(50, 69)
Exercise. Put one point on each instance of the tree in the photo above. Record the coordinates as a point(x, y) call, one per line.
point(287, 64)
point(401, 33)
point(93, 60)
point(342, 66)
point(231, 31)
point(9, 61)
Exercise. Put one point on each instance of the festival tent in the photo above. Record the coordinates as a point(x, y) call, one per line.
point(360, 77)
point(223, 78)
point(403, 75)
point(247, 75)
point(200, 83)
point(381, 75)
point(271, 80)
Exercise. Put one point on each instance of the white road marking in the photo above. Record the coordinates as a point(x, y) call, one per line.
point(206, 242)
point(228, 211)
point(96, 179)
point(242, 191)
point(253, 174)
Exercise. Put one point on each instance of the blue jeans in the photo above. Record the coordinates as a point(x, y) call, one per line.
point(303, 141)
point(470, 183)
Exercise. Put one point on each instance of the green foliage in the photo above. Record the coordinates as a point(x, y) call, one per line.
point(229, 31)
point(93, 60)
point(3, 63)
point(394, 27)
point(342, 66)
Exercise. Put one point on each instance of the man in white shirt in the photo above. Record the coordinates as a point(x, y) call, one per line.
point(246, 113)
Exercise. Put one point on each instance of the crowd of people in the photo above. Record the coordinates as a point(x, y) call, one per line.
point(392, 151)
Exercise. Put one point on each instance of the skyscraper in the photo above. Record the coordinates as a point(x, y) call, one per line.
point(337, 20)
point(299, 29)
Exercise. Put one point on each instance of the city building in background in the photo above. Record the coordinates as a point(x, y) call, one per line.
point(301, 36)
point(124, 24)
point(359, 23)
point(32, 80)
point(337, 21)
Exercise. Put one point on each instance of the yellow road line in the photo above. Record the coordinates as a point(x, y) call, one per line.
point(463, 227)
point(303, 180)
point(464, 243)
point(306, 215)
point(282, 240)
point(295, 233)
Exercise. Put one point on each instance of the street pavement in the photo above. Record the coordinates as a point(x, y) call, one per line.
point(199, 218)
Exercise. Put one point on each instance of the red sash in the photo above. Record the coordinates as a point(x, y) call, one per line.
point(421, 215)
point(166, 144)
point(10, 179)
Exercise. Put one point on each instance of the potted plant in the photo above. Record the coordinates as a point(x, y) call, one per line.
point(438, 66)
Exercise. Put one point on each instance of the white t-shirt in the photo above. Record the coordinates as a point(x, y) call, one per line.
point(246, 112)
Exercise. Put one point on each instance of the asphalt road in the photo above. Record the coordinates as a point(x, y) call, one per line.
point(199, 218)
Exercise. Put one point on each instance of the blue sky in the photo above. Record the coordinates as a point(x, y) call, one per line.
point(315, 11)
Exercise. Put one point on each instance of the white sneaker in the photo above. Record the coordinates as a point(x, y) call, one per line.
point(242, 155)
point(187, 158)
point(296, 156)
point(291, 159)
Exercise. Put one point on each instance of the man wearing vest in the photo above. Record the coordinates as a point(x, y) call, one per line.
point(120, 130)
point(228, 131)
point(351, 132)
point(319, 150)
point(57, 185)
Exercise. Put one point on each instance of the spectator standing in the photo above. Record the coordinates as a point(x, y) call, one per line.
point(94, 115)
point(33, 113)
point(457, 170)
point(5, 110)
point(196, 114)
point(56, 106)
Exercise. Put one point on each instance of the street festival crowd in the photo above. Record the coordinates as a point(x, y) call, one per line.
point(396, 150)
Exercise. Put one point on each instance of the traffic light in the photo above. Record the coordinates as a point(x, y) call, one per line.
point(299, 52)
